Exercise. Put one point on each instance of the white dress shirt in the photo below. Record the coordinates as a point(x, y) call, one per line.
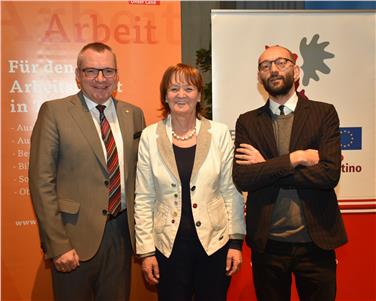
point(290, 105)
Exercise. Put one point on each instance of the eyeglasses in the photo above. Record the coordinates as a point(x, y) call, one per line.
point(280, 62)
point(93, 72)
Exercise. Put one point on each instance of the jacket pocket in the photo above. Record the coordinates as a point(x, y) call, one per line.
point(137, 135)
point(160, 217)
point(217, 213)
point(68, 206)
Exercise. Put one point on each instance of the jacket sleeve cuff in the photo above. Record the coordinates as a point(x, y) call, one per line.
point(237, 236)
point(146, 255)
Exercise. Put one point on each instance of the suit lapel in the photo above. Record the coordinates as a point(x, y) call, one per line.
point(202, 147)
point(265, 129)
point(84, 121)
point(301, 116)
point(165, 149)
point(126, 127)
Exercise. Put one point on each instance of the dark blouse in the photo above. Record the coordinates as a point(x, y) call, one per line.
point(185, 157)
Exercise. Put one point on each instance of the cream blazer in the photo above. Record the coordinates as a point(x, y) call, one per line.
point(217, 206)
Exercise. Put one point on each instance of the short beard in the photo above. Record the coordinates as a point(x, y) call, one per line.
point(284, 89)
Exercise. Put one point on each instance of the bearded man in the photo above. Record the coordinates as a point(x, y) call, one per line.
point(288, 161)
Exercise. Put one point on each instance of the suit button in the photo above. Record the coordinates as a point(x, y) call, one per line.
point(193, 188)
point(104, 212)
point(173, 184)
point(106, 182)
point(198, 224)
point(194, 205)
point(173, 221)
point(176, 195)
point(220, 238)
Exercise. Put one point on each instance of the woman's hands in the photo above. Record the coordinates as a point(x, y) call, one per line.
point(150, 269)
point(233, 261)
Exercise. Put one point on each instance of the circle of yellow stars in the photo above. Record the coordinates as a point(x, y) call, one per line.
point(346, 145)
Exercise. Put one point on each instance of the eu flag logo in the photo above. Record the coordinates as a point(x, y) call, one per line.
point(351, 138)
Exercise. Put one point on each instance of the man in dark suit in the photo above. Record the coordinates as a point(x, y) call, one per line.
point(82, 176)
point(288, 160)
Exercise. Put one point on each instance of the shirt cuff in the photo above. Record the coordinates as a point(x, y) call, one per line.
point(236, 244)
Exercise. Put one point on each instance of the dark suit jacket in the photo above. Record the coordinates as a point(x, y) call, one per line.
point(315, 126)
point(68, 174)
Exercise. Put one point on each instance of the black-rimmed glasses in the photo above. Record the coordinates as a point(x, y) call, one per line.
point(280, 62)
point(93, 72)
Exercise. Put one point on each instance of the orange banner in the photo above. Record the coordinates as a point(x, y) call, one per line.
point(40, 43)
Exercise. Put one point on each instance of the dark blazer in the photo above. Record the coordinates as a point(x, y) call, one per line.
point(315, 126)
point(68, 174)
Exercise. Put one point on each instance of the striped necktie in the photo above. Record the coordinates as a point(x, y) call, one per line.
point(113, 169)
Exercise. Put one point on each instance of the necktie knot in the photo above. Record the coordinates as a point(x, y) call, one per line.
point(281, 109)
point(100, 108)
